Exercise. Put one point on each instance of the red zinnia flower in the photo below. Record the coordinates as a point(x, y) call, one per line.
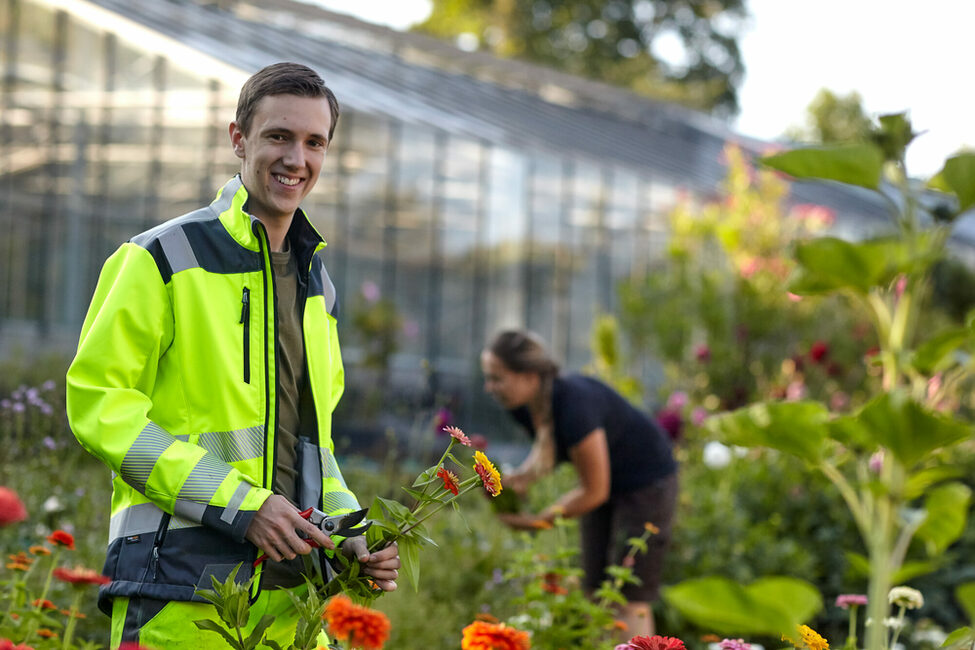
point(818, 351)
point(62, 538)
point(490, 476)
point(449, 480)
point(656, 642)
point(480, 635)
point(458, 435)
point(363, 627)
point(7, 644)
point(81, 575)
point(12, 508)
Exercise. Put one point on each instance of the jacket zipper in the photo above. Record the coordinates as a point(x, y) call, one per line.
point(245, 319)
point(156, 543)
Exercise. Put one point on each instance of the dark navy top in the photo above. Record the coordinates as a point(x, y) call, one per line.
point(639, 450)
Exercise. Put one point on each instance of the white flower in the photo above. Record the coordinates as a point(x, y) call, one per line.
point(52, 504)
point(905, 597)
point(716, 455)
point(893, 623)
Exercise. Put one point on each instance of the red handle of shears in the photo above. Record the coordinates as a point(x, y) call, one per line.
point(305, 514)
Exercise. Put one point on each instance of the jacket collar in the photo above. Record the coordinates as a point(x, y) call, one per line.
point(244, 227)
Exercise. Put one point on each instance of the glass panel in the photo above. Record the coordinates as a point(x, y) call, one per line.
point(506, 233)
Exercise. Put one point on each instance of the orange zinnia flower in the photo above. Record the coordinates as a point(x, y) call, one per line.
point(81, 576)
point(458, 435)
point(449, 479)
point(39, 550)
point(62, 538)
point(12, 508)
point(45, 633)
point(363, 627)
point(44, 604)
point(490, 476)
point(494, 636)
point(551, 584)
point(67, 612)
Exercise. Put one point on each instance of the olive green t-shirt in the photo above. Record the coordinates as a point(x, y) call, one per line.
point(291, 377)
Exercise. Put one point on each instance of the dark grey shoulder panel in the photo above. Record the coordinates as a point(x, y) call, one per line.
point(196, 240)
point(321, 285)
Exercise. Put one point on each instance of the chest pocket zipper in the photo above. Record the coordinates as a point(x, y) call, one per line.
point(245, 319)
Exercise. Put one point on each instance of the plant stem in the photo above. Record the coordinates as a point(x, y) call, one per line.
point(72, 619)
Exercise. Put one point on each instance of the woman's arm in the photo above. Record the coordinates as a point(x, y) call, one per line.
point(591, 460)
point(538, 463)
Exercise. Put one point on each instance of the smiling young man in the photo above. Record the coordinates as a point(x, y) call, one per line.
point(205, 378)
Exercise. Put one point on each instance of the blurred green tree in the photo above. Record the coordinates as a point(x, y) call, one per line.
point(832, 119)
point(675, 50)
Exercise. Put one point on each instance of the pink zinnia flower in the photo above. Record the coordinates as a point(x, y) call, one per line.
point(458, 435)
point(847, 600)
point(734, 644)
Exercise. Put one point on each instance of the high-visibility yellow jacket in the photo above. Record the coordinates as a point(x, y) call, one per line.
point(173, 387)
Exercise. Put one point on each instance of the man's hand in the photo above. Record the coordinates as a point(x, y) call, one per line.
point(382, 566)
point(273, 530)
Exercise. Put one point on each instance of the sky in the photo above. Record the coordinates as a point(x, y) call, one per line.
point(900, 55)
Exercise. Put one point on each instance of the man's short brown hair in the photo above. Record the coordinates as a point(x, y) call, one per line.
point(283, 79)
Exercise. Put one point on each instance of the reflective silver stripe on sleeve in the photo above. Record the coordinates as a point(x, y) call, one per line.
point(234, 446)
point(336, 501)
point(189, 510)
point(230, 512)
point(178, 251)
point(141, 457)
point(135, 520)
point(330, 468)
point(203, 481)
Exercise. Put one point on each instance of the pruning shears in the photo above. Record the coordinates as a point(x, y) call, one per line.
point(345, 525)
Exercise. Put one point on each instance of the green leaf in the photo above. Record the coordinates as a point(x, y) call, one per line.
point(426, 476)
point(271, 643)
point(918, 483)
point(958, 177)
point(770, 606)
point(213, 626)
point(252, 641)
point(858, 563)
point(419, 495)
point(961, 636)
point(395, 509)
point(797, 428)
point(857, 164)
point(933, 355)
point(910, 431)
point(947, 507)
point(409, 556)
point(829, 264)
point(914, 569)
point(965, 595)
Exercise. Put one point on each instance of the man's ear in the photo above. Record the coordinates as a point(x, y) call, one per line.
point(237, 140)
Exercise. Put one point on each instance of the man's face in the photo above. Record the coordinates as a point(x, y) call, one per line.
point(282, 154)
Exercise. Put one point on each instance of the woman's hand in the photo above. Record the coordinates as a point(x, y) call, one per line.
point(524, 521)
